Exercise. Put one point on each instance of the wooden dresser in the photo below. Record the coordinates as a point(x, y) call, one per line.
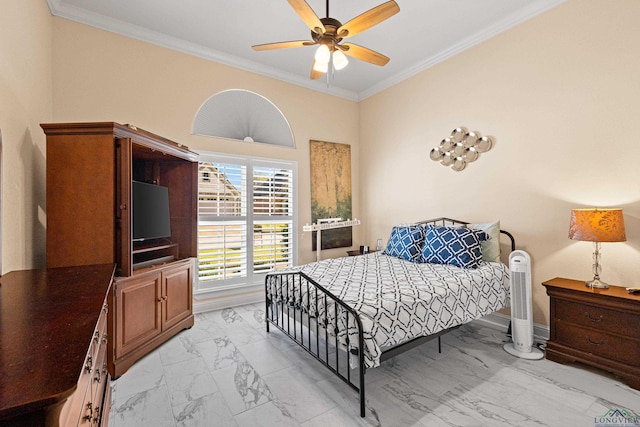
point(53, 346)
point(598, 327)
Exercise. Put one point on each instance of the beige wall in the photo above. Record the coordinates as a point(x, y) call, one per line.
point(561, 95)
point(25, 102)
point(101, 76)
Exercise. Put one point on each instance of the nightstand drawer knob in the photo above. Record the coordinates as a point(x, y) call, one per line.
point(593, 319)
point(593, 342)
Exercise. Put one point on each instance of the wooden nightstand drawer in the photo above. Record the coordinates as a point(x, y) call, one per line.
point(599, 327)
point(600, 343)
point(603, 319)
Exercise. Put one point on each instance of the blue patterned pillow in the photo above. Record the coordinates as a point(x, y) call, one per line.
point(406, 242)
point(456, 246)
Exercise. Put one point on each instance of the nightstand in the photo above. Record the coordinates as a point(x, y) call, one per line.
point(598, 327)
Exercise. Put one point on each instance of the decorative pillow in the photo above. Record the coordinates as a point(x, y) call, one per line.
point(455, 246)
point(406, 242)
point(491, 246)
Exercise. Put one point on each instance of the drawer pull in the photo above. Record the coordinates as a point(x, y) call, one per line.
point(593, 342)
point(89, 415)
point(593, 319)
point(96, 416)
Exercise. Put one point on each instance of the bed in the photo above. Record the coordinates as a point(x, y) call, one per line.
point(352, 313)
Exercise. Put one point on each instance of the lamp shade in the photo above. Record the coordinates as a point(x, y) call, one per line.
point(597, 225)
point(323, 54)
point(339, 60)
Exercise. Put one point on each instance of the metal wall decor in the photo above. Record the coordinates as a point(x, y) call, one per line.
point(461, 147)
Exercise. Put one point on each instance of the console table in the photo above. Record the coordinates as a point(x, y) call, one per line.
point(48, 345)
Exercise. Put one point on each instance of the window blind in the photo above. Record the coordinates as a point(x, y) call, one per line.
point(245, 219)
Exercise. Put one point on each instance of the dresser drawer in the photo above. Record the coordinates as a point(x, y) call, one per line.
point(613, 347)
point(603, 319)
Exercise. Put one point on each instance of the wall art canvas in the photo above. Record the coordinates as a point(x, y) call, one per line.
point(331, 190)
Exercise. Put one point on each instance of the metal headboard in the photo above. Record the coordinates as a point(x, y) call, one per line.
point(450, 221)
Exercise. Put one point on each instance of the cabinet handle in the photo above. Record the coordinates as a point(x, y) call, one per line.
point(160, 299)
point(593, 342)
point(593, 319)
point(87, 366)
point(96, 417)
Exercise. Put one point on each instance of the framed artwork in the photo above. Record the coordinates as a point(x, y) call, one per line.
point(331, 190)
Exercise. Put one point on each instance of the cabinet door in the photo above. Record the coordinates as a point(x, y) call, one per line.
point(138, 316)
point(176, 287)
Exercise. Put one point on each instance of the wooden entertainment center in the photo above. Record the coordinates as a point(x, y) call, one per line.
point(90, 169)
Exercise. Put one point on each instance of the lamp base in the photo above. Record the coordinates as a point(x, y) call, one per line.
point(596, 284)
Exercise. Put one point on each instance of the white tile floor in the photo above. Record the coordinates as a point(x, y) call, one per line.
point(227, 371)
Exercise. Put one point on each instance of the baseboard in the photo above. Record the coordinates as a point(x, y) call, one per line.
point(227, 301)
point(501, 322)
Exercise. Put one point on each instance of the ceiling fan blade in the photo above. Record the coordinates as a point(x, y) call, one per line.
point(308, 16)
point(368, 19)
point(364, 54)
point(283, 45)
point(315, 75)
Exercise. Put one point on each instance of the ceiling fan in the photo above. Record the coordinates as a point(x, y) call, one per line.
point(329, 32)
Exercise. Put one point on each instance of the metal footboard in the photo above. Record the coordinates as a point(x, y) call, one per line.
point(319, 322)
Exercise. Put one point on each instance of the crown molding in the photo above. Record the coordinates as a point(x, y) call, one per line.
point(59, 9)
point(533, 9)
point(73, 13)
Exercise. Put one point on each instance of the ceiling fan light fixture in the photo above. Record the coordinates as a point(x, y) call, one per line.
point(328, 33)
point(321, 67)
point(339, 60)
point(323, 54)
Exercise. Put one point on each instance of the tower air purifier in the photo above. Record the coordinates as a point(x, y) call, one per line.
point(521, 308)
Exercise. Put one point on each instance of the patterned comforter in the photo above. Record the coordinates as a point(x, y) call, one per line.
point(398, 300)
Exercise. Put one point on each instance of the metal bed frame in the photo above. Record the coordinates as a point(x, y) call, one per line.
point(301, 320)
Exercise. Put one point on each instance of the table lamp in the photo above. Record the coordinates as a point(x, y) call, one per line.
point(597, 225)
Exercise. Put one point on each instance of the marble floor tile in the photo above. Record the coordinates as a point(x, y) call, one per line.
point(228, 371)
point(178, 349)
point(150, 407)
point(297, 395)
point(242, 387)
point(205, 411)
point(264, 357)
point(266, 415)
point(144, 375)
point(188, 381)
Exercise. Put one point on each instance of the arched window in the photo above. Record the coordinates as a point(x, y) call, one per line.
point(245, 116)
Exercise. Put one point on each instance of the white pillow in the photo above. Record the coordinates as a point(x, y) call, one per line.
point(490, 247)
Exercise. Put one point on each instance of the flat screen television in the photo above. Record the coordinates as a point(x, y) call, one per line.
point(150, 206)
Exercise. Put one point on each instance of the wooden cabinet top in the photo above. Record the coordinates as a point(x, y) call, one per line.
point(618, 292)
point(138, 135)
point(47, 320)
